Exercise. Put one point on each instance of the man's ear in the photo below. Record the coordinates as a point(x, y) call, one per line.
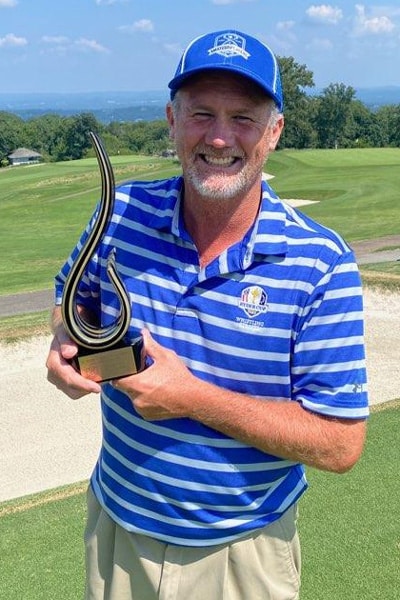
point(276, 132)
point(171, 120)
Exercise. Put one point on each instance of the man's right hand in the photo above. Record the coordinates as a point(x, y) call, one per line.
point(60, 371)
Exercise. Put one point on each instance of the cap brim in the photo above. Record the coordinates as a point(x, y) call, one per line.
point(177, 82)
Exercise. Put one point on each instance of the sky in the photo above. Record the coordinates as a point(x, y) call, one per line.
point(135, 45)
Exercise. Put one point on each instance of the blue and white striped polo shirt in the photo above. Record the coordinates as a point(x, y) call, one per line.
point(278, 316)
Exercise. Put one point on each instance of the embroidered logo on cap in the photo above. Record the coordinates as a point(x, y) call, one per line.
point(253, 301)
point(228, 45)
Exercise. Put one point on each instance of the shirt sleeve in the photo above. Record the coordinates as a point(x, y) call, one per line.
point(88, 290)
point(328, 367)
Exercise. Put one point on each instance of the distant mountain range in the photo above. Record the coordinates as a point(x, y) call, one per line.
point(106, 106)
point(135, 106)
point(379, 96)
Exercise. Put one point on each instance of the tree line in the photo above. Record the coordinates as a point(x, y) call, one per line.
point(331, 119)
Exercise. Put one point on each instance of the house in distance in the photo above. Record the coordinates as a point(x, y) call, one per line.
point(24, 156)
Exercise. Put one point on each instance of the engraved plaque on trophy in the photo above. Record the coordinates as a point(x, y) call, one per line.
point(103, 352)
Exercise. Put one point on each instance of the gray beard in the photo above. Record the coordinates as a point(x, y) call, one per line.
point(218, 188)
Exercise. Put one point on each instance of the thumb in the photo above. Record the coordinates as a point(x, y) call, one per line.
point(152, 348)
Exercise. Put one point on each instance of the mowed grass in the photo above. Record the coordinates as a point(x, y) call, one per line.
point(44, 208)
point(349, 528)
point(41, 546)
point(349, 524)
point(24, 326)
point(356, 189)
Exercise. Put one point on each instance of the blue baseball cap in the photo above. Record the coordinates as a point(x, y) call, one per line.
point(232, 51)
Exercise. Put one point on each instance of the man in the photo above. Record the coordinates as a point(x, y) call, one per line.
point(252, 321)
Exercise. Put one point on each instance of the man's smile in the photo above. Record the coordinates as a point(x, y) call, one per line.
point(219, 161)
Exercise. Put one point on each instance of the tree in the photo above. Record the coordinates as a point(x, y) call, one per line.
point(43, 134)
point(147, 137)
point(333, 115)
point(365, 130)
point(11, 134)
point(388, 118)
point(298, 107)
point(74, 140)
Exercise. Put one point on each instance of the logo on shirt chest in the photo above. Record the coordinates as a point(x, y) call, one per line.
point(253, 301)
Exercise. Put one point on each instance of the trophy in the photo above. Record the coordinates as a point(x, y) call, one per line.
point(103, 352)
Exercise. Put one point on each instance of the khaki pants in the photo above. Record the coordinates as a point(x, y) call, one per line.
point(126, 566)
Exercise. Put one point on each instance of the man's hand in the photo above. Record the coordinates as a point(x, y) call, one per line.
point(60, 372)
point(160, 391)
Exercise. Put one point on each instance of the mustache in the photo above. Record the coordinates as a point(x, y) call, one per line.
point(223, 153)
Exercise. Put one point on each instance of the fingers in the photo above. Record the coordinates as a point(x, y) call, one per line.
point(63, 375)
point(67, 347)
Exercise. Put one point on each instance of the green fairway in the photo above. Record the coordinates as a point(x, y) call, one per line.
point(349, 524)
point(41, 548)
point(44, 208)
point(348, 527)
point(357, 190)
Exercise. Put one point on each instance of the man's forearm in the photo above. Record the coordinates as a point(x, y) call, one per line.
point(56, 319)
point(167, 390)
point(282, 428)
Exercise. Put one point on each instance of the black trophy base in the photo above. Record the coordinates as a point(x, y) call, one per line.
point(115, 362)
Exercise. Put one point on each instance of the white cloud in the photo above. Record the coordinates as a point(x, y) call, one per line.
point(325, 13)
point(8, 3)
point(62, 44)
point(54, 39)
point(143, 25)
point(86, 44)
point(11, 40)
point(373, 25)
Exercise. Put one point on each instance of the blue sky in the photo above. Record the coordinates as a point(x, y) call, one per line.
point(132, 45)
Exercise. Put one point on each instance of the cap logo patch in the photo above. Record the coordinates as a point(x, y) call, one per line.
point(253, 301)
point(228, 45)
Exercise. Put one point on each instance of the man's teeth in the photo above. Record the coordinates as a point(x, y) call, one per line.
point(220, 162)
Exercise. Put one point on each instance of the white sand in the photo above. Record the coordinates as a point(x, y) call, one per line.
point(299, 202)
point(48, 440)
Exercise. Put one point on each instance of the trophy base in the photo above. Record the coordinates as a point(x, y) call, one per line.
point(115, 362)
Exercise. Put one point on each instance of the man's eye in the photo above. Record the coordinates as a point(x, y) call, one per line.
point(243, 119)
point(202, 114)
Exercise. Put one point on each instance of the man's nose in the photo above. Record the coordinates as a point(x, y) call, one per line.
point(220, 134)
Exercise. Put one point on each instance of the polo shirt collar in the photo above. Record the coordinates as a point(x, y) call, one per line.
point(269, 233)
point(267, 237)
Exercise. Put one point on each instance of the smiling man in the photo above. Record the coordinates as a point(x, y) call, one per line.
point(253, 329)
